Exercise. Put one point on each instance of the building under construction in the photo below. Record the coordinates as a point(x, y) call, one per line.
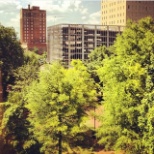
point(76, 41)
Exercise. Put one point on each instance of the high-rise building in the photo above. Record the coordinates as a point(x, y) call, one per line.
point(117, 12)
point(76, 41)
point(33, 28)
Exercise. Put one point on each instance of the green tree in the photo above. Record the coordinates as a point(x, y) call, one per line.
point(14, 128)
point(58, 104)
point(97, 55)
point(126, 76)
point(11, 54)
point(94, 62)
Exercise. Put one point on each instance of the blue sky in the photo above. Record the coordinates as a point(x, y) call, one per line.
point(58, 11)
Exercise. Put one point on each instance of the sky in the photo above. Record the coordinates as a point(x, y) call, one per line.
point(58, 11)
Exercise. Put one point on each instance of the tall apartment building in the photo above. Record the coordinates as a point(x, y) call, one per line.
point(76, 41)
point(117, 12)
point(33, 28)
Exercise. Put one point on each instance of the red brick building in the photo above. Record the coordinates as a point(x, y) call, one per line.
point(33, 28)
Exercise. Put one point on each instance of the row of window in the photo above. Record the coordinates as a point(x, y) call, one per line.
point(31, 36)
point(113, 15)
point(132, 7)
point(31, 26)
point(122, 21)
point(41, 29)
point(33, 23)
point(112, 9)
point(140, 7)
point(32, 14)
point(28, 40)
point(137, 3)
point(31, 31)
point(110, 4)
point(34, 19)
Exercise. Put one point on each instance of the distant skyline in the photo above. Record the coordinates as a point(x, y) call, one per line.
point(58, 11)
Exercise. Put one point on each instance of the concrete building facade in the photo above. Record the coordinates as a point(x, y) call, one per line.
point(33, 28)
point(117, 12)
point(76, 41)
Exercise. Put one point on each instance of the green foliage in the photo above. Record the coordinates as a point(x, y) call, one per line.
point(28, 72)
point(94, 63)
point(57, 105)
point(15, 125)
point(96, 57)
point(127, 78)
point(11, 55)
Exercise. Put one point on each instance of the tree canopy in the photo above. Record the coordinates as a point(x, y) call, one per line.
point(14, 123)
point(47, 108)
point(127, 78)
point(61, 97)
point(11, 55)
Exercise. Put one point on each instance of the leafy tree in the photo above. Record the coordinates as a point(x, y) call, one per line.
point(127, 75)
point(14, 123)
point(94, 63)
point(97, 55)
point(11, 54)
point(58, 104)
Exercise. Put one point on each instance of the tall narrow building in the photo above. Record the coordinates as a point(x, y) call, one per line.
point(117, 12)
point(33, 28)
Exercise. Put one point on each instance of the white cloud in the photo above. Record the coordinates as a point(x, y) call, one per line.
point(95, 14)
point(14, 22)
point(83, 17)
point(94, 18)
point(84, 11)
point(58, 11)
point(57, 6)
point(1, 11)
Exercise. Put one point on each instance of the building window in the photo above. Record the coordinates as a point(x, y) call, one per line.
point(128, 6)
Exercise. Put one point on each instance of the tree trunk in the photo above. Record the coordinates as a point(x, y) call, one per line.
point(60, 138)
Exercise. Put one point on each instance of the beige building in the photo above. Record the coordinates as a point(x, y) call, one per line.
point(117, 12)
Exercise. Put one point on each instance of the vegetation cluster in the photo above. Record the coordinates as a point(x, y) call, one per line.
point(47, 106)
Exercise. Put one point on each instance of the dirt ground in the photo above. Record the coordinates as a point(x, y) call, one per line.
point(108, 152)
point(105, 152)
